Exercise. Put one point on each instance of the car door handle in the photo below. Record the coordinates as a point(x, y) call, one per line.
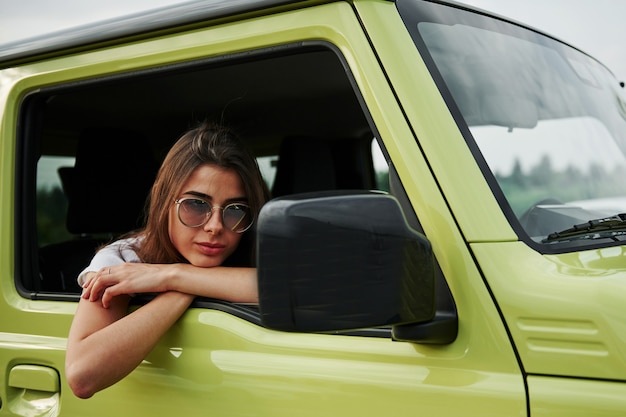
point(34, 377)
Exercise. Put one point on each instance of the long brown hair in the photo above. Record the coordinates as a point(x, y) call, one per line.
point(207, 144)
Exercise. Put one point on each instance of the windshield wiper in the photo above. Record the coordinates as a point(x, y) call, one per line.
point(607, 228)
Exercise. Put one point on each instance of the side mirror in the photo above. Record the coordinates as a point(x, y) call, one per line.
point(330, 262)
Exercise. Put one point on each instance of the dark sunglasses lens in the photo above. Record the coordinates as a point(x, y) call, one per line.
point(237, 217)
point(193, 212)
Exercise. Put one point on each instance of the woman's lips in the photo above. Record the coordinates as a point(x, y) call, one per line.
point(210, 249)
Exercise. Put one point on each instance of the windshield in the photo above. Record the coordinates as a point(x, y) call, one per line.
point(548, 121)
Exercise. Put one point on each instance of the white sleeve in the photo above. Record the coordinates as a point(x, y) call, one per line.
point(116, 253)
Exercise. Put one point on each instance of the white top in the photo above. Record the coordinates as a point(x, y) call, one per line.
point(116, 253)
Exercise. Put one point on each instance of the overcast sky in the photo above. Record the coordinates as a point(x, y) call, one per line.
point(596, 26)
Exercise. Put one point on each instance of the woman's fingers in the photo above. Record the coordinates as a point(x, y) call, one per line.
point(99, 283)
point(126, 278)
point(89, 277)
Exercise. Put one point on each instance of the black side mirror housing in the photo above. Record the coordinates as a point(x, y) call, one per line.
point(332, 262)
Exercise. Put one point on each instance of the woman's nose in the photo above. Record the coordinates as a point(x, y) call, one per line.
point(214, 224)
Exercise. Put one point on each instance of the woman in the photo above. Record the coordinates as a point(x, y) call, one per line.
point(202, 205)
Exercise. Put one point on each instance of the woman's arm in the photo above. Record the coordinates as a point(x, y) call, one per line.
point(238, 285)
point(226, 283)
point(106, 344)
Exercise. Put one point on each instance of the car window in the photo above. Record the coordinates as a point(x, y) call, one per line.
point(546, 122)
point(296, 109)
point(267, 165)
point(381, 168)
point(51, 200)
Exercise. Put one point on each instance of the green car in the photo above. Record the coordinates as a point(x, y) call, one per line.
point(446, 237)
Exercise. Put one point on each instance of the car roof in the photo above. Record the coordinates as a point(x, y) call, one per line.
point(185, 13)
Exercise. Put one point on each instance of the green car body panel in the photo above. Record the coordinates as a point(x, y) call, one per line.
point(539, 333)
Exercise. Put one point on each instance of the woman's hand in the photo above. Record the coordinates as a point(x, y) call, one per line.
point(126, 278)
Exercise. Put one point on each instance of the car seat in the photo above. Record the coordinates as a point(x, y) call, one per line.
point(106, 191)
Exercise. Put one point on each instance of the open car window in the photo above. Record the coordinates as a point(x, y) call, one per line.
point(100, 142)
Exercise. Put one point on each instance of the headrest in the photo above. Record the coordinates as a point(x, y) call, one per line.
point(108, 185)
point(304, 164)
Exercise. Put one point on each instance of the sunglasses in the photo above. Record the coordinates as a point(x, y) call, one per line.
point(195, 212)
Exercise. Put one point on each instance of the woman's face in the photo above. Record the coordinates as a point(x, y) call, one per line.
point(210, 244)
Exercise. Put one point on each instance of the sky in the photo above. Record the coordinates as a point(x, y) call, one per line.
point(595, 26)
